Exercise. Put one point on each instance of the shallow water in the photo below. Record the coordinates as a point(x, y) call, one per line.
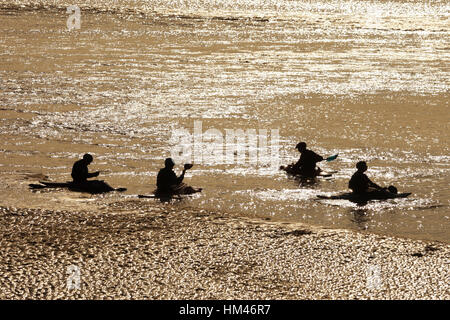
point(367, 80)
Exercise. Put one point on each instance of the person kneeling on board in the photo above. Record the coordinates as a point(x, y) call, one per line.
point(306, 165)
point(80, 171)
point(167, 181)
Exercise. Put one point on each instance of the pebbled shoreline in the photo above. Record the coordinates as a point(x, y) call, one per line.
point(146, 250)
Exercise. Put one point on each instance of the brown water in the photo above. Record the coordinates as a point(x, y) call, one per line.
point(368, 80)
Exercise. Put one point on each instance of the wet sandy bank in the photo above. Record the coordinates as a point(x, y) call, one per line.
point(147, 250)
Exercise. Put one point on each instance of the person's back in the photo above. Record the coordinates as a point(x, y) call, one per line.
point(80, 171)
point(359, 182)
point(166, 179)
point(308, 160)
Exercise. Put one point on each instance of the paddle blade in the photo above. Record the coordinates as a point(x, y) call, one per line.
point(332, 158)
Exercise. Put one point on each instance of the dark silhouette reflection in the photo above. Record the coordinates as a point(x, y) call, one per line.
point(80, 174)
point(360, 202)
point(359, 217)
point(306, 181)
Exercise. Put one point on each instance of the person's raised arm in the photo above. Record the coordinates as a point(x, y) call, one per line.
point(180, 178)
point(187, 166)
point(318, 158)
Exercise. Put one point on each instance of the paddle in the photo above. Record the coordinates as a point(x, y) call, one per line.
point(177, 197)
point(141, 196)
point(331, 158)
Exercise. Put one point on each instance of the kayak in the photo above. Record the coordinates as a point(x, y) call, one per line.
point(366, 196)
point(93, 187)
point(318, 173)
point(179, 191)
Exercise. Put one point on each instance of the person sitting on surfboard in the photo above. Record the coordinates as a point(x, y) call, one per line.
point(306, 165)
point(360, 183)
point(80, 172)
point(167, 181)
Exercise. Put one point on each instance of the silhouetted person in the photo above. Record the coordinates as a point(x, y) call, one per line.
point(80, 172)
point(167, 180)
point(306, 165)
point(360, 183)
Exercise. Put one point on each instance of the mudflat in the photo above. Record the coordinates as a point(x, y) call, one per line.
point(146, 250)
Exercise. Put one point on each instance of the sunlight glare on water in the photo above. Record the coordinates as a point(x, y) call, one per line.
point(366, 79)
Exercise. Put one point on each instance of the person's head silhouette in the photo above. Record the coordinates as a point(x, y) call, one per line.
point(361, 166)
point(301, 146)
point(88, 158)
point(169, 163)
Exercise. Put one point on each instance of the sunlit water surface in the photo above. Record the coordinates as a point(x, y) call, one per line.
point(366, 79)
